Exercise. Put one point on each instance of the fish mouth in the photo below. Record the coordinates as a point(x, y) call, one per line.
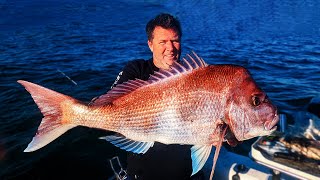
point(271, 125)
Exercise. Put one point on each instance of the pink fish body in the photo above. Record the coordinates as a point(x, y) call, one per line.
point(192, 103)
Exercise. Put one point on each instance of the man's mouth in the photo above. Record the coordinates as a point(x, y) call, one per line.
point(171, 56)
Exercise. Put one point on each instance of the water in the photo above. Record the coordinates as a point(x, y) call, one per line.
point(90, 41)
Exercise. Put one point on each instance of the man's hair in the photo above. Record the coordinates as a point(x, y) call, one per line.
point(165, 21)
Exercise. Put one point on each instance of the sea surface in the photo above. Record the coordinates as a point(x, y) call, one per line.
point(78, 47)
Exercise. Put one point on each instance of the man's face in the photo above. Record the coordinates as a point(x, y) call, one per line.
point(165, 47)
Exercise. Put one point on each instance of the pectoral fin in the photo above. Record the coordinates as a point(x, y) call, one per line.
point(199, 156)
point(128, 144)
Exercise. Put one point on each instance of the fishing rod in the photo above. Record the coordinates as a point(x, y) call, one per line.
point(73, 82)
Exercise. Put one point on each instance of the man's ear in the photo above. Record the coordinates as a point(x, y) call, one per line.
point(150, 44)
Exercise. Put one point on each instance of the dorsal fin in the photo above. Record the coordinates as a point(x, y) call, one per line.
point(119, 91)
point(189, 63)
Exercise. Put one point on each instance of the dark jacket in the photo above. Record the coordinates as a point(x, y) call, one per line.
point(161, 161)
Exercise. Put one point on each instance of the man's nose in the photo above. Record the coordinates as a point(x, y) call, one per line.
point(169, 46)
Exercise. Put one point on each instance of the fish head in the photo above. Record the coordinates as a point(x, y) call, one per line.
point(250, 113)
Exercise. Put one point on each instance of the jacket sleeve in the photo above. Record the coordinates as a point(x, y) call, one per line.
point(129, 72)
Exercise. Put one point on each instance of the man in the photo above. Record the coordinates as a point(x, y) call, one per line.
point(161, 161)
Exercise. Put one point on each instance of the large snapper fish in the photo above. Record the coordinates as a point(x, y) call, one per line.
point(191, 104)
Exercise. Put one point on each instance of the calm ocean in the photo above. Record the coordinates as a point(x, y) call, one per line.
point(90, 41)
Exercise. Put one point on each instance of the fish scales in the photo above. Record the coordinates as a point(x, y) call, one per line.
point(164, 110)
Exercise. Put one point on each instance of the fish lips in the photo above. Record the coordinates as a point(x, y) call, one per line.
point(261, 129)
point(271, 125)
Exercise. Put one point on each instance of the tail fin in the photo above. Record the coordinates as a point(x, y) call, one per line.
point(53, 123)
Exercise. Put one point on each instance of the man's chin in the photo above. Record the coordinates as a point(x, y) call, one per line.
point(169, 63)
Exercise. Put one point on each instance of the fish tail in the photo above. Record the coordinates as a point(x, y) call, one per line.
point(56, 120)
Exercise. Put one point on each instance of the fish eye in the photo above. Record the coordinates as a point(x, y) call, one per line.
point(256, 101)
